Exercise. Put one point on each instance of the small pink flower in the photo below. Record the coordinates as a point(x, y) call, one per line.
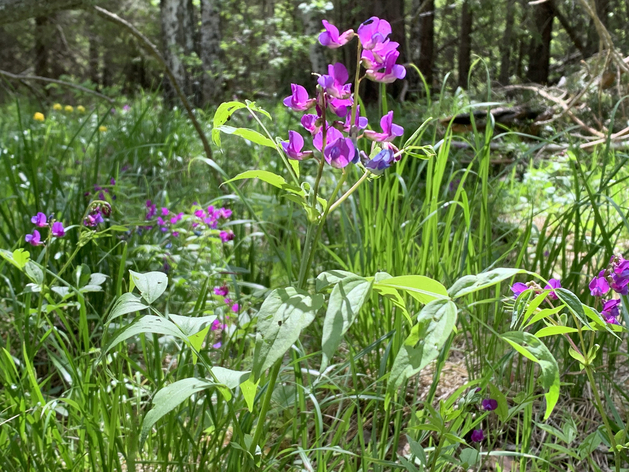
point(33, 239)
point(226, 236)
point(235, 307)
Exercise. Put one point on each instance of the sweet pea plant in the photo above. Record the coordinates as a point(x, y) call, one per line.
point(337, 139)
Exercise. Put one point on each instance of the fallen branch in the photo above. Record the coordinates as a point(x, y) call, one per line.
point(152, 49)
point(547, 148)
point(54, 81)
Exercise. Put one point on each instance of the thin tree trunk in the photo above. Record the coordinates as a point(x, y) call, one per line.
point(172, 47)
point(426, 29)
point(42, 40)
point(505, 46)
point(210, 46)
point(539, 51)
point(312, 22)
point(465, 44)
point(572, 34)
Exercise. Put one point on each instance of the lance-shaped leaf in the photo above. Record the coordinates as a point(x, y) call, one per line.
point(151, 285)
point(346, 300)
point(248, 134)
point(270, 178)
point(127, 303)
point(532, 348)
point(423, 289)
point(332, 277)
point(173, 395)
point(148, 324)
point(473, 283)
point(435, 324)
point(282, 317)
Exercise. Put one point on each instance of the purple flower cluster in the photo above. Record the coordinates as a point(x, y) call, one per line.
point(615, 278)
point(519, 287)
point(102, 193)
point(42, 221)
point(223, 291)
point(335, 139)
point(97, 212)
point(201, 219)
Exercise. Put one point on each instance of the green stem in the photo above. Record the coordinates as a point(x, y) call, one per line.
point(275, 370)
point(348, 193)
point(601, 410)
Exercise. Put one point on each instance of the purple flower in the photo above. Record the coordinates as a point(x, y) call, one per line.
point(389, 71)
point(389, 130)
point(552, 284)
point(165, 211)
point(381, 161)
point(340, 152)
point(112, 181)
point(93, 219)
point(310, 123)
point(478, 435)
point(334, 83)
point(610, 311)
point(377, 57)
point(331, 135)
point(330, 37)
point(373, 31)
point(33, 239)
point(221, 291)
point(619, 284)
point(489, 404)
point(359, 121)
point(226, 236)
point(217, 325)
point(160, 221)
point(599, 286)
point(299, 100)
point(294, 145)
point(58, 231)
point(340, 106)
point(217, 345)
point(225, 213)
point(517, 288)
point(151, 210)
point(126, 108)
point(39, 220)
point(235, 307)
point(199, 214)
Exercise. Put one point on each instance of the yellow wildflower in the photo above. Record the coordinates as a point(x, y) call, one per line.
point(39, 116)
point(80, 109)
point(102, 128)
point(69, 108)
point(57, 106)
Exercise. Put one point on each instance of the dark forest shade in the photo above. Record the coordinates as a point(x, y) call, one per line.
point(465, 43)
point(539, 51)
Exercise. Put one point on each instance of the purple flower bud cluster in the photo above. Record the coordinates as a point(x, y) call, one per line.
point(614, 278)
point(335, 139)
point(42, 221)
point(519, 287)
point(96, 214)
point(103, 192)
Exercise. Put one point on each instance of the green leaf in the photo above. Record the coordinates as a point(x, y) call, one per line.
point(332, 277)
point(248, 134)
point(545, 313)
point(34, 272)
point(473, 283)
point(423, 289)
point(190, 325)
point(435, 324)
point(196, 341)
point(18, 258)
point(230, 378)
point(503, 407)
point(148, 324)
point(151, 284)
point(346, 300)
point(573, 303)
point(169, 398)
point(282, 317)
point(223, 113)
point(469, 458)
point(553, 330)
point(540, 354)
point(127, 303)
point(270, 178)
point(248, 389)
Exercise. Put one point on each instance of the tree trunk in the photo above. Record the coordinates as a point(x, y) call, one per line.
point(93, 54)
point(188, 28)
point(42, 39)
point(539, 50)
point(312, 22)
point(169, 10)
point(423, 38)
point(210, 46)
point(465, 44)
point(602, 11)
point(505, 46)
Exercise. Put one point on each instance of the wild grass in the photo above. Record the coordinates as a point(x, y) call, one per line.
point(64, 406)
